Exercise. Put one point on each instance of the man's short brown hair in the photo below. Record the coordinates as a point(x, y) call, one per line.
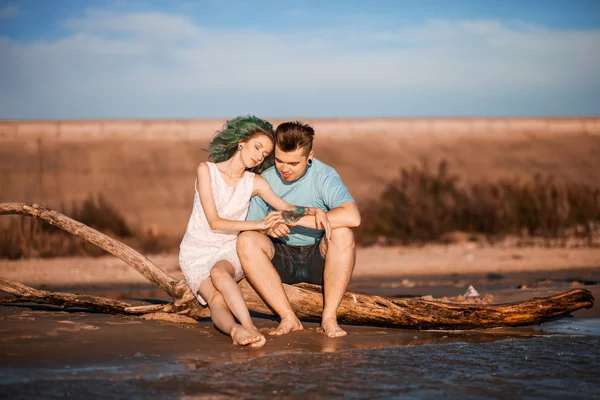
point(294, 135)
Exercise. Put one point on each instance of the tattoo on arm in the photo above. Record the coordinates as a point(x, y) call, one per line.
point(293, 216)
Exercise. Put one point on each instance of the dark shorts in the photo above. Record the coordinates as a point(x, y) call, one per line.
point(297, 264)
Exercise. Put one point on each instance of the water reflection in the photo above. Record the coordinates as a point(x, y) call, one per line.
point(543, 367)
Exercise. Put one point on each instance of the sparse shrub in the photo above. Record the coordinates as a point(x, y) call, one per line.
point(101, 215)
point(422, 206)
point(26, 237)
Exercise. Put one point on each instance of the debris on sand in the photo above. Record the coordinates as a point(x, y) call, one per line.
point(471, 296)
point(471, 292)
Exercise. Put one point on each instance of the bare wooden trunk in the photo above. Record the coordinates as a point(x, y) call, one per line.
point(306, 299)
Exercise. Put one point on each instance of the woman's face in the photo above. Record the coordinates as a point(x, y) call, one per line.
point(255, 150)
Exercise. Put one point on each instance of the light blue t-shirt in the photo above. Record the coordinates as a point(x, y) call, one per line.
point(320, 187)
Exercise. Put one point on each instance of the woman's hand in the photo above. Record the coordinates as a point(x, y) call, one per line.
point(271, 219)
point(322, 222)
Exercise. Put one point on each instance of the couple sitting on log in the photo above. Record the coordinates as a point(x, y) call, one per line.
point(286, 223)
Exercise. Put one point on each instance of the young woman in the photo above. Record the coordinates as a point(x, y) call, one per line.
point(223, 189)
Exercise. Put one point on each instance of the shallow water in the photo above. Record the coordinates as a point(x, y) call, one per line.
point(545, 367)
point(550, 365)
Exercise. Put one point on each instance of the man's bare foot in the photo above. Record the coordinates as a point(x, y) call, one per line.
point(241, 336)
point(287, 325)
point(331, 328)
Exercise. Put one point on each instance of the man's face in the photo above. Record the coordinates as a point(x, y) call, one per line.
point(292, 165)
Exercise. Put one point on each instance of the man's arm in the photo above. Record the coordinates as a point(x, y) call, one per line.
point(344, 216)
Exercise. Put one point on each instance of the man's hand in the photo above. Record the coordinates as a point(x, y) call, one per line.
point(278, 230)
point(323, 223)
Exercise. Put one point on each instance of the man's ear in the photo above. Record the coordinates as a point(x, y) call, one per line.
point(311, 155)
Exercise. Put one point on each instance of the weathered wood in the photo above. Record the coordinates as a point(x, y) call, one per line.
point(423, 314)
point(144, 266)
point(26, 293)
point(306, 299)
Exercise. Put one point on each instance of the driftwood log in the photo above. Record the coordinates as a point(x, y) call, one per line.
point(305, 299)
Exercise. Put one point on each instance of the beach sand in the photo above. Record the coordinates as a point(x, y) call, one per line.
point(372, 262)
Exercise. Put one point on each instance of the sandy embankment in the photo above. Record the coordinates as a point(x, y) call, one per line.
point(146, 168)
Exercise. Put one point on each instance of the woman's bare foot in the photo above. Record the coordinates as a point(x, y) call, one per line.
point(241, 336)
point(287, 325)
point(331, 328)
point(259, 343)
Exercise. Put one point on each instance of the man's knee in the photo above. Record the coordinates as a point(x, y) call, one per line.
point(248, 243)
point(342, 237)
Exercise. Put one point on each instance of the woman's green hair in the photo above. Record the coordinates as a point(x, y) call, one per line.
point(236, 131)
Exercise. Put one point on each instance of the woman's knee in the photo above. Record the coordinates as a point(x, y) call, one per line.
point(219, 273)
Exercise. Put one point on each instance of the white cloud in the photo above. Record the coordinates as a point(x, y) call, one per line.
point(148, 55)
point(149, 25)
point(9, 11)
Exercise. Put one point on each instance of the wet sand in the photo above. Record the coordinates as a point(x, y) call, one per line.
point(46, 352)
point(48, 336)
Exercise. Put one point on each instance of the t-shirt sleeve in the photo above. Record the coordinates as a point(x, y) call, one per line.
point(335, 193)
point(258, 209)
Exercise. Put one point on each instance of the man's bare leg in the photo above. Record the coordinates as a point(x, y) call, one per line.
point(255, 252)
point(340, 254)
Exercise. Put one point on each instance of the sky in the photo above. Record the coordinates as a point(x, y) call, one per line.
point(116, 59)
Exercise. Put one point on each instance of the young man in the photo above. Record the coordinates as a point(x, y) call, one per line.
point(297, 254)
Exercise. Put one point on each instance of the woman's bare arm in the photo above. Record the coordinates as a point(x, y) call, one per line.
point(308, 217)
point(203, 185)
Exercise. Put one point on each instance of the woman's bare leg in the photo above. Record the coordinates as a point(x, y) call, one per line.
point(222, 317)
point(222, 276)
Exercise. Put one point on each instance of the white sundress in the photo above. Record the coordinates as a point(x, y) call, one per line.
point(202, 247)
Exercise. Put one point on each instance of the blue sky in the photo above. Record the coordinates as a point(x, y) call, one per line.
point(78, 59)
